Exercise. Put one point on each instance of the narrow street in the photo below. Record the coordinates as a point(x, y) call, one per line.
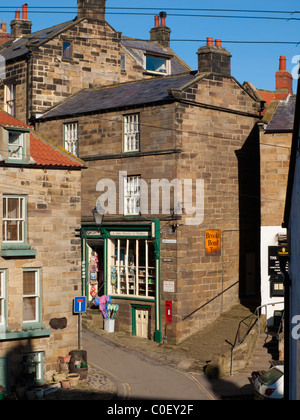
point(140, 378)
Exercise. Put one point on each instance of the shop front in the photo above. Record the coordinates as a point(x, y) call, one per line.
point(123, 262)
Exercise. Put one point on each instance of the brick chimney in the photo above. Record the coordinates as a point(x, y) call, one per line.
point(284, 79)
point(161, 33)
point(20, 26)
point(4, 35)
point(213, 58)
point(91, 9)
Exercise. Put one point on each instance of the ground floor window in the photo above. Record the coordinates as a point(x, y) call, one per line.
point(2, 298)
point(33, 366)
point(131, 267)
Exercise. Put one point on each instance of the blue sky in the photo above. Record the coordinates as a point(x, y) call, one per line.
point(256, 63)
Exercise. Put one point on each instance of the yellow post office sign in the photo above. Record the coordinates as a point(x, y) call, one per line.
point(213, 242)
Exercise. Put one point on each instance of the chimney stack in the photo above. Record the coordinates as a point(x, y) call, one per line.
point(4, 35)
point(91, 9)
point(214, 58)
point(161, 33)
point(20, 27)
point(284, 79)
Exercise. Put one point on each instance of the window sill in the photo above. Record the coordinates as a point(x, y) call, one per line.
point(30, 333)
point(11, 251)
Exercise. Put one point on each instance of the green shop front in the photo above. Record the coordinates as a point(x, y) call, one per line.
point(123, 261)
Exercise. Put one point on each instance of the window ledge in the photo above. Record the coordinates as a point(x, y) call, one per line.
point(15, 335)
point(17, 251)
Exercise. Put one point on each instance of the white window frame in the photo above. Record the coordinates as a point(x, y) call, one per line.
point(36, 296)
point(19, 145)
point(157, 71)
point(132, 195)
point(131, 130)
point(10, 99)
point(126, 278)
point(20, 220)
point(2, 299)
point(71, 137)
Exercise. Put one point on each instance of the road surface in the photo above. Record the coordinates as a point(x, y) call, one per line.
point(140, 378)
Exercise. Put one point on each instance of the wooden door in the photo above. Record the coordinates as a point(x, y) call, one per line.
point(142, 321)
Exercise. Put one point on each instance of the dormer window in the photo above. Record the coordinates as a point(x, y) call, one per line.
point(16, 146)
point(160, 65)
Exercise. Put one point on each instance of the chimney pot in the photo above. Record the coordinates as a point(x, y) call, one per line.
point(209, 41)
point(218, 43)
point(282, 62)
point(156, 21)
point(163, 16)
point(24, 11)
point(17, 15)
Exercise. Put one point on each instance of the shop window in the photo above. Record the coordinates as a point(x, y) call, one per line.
point(16, 146)
point(131, 268)
point(13, 219)
point(71, 137)
point(132, 195)
point(131, 133)
point(31, 296)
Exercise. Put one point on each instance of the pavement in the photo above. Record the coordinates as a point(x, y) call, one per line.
point(193, 355)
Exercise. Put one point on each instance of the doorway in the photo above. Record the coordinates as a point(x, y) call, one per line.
point(141, 320)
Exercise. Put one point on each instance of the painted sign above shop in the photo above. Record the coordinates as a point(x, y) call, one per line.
point(213, 242)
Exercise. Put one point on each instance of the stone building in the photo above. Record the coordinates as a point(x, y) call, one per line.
point(40, 270)
point(45, 67)
point(164, 158)
point(276, 129)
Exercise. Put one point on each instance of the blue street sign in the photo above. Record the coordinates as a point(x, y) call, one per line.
point(80, 304)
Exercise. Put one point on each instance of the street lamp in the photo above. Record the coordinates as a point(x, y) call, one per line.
point(98, 217)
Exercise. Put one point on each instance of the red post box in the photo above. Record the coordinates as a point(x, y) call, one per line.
point(168, 312)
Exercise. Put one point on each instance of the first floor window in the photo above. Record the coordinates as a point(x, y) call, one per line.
point(10, 99)
point(131, 267)
point(131, 133)
point(132, 195)
point(2, 298)
point(13, 219)
point(31, 295)
point(71, 137)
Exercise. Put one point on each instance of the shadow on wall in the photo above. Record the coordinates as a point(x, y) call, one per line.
point(250, 215)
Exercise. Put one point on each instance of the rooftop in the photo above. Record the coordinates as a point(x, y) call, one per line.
point(284, 115)
point(42, 151)
point(120, 95)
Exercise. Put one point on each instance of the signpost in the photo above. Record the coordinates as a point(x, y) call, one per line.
point(79, 308)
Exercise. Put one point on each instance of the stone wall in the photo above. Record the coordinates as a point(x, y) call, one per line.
point(53, 214)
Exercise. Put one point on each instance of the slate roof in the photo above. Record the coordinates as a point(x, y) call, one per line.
point(119, 96)
point(21, 46)
point(42, 151)
point(283, 118)
point(18, 48)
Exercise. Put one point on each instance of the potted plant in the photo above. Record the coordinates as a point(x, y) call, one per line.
point(2, 392)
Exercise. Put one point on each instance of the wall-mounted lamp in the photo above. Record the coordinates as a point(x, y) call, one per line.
point(98, 217)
